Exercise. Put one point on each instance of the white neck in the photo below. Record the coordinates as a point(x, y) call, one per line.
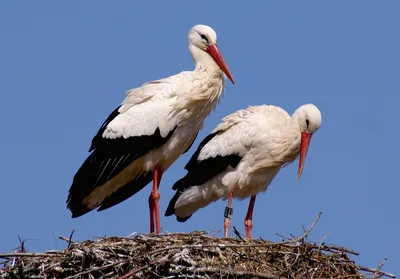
point(203, 60)
point(207, 88)
point(296, 116)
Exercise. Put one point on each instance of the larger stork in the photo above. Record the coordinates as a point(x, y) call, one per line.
point(153, 126)
point(241, 157)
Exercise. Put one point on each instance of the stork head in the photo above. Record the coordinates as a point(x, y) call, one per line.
point(203, 45)
point(309, 119)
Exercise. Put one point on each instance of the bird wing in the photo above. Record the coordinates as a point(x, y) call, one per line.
point(225, 146)
point(142, 123)
point(158, 90)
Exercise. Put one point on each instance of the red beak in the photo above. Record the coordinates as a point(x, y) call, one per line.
point(217, 56)
point(305, 142)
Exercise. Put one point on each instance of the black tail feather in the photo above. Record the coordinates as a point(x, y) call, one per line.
point(177, 186)
point(180, 187)
point(171, 207)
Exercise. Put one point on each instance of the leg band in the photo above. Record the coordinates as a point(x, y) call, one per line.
point(228, 212)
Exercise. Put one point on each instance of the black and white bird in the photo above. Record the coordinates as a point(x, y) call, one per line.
point(153, 126)
point(241, 157)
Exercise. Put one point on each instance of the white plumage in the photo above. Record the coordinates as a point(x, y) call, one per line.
point(248, 148)
point(154, 125)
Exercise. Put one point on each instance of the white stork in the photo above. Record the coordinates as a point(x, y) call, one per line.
point(155, 124)
point(241, 157)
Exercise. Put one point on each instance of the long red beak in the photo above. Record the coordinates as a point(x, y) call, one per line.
point(305, 142)
point(217, 56)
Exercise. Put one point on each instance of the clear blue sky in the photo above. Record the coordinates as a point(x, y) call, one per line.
point(65, 66)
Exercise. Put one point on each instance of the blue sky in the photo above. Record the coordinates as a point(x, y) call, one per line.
point(65, 66)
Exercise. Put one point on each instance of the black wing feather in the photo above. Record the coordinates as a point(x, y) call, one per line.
point(199, 172)
point(103, 127)
point(110, 157)
point(193, 160)
point(127, 191)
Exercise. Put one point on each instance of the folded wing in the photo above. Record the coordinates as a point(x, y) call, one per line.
point(141, 124)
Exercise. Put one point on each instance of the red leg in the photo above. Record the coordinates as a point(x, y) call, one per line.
point(228, 212)
point(153, 201)
point(151, 208)
point(248, 222)
point(158, 175)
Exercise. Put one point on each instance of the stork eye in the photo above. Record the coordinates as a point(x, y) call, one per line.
point(307, 122)
point(204, 38)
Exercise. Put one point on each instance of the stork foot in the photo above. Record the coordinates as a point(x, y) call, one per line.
point(154, 211)
point(153, 202)
point(228, 214)
point(227, 225)
point(248, 223)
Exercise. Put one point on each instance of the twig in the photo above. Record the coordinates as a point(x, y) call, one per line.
point(326, 247)
point(215, 233)
point(169, 234)
point(237, 233)
point(135, 271)
point(377, 273)
point(322, 240)
point(284, 237)
point(235, 273)
point(364, 268)
point(22, 247)
point(96, 269)
point(132, 234)
point(305, 234)
point(10, 255)
point(70, 239)
point(201, 246)
point(66, 239)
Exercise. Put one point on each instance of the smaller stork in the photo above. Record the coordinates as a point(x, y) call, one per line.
point(241, 157)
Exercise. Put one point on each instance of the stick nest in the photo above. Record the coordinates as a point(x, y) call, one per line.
point(188, 255)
